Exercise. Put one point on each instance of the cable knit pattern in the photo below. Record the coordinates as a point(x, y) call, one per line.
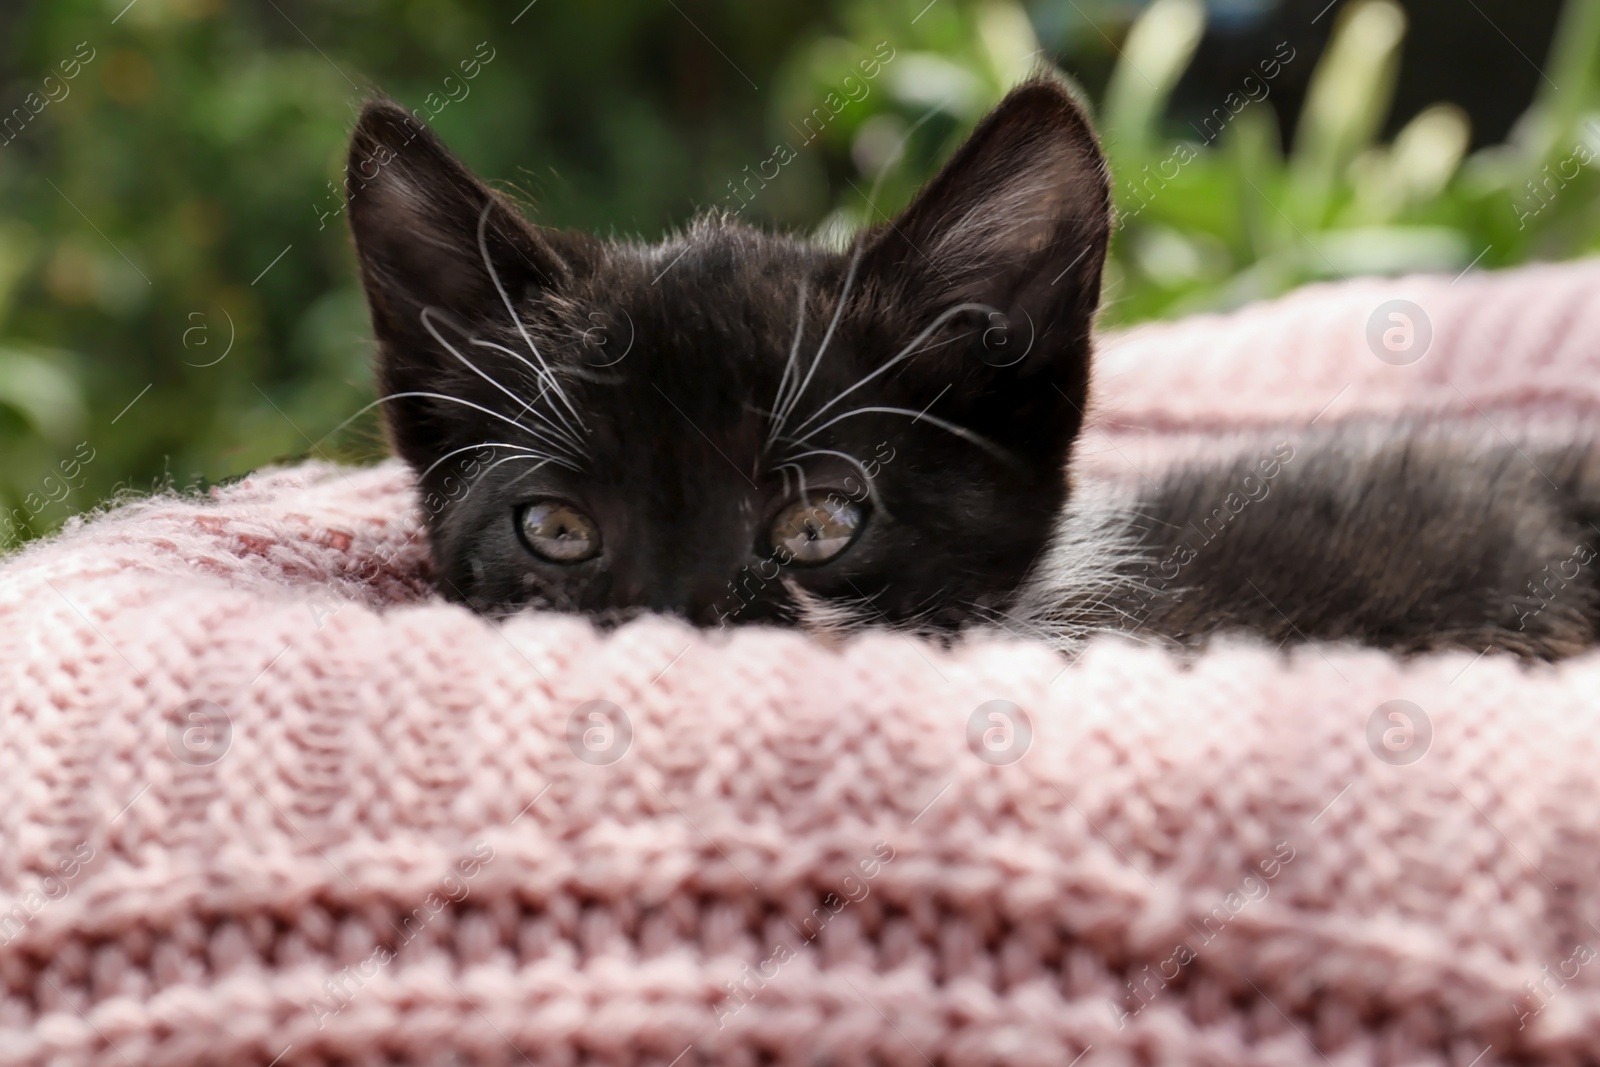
point(267, 801)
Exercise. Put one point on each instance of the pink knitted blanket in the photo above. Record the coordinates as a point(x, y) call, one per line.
point(266, 801)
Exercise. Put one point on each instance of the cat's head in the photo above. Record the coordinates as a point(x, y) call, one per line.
point(731, 425)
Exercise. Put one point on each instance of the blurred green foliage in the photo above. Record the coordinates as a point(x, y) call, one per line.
point(177, 296)
point(1215, 215)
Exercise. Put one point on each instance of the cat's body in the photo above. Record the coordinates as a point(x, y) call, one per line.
point(737, 427)
point(1406, 537)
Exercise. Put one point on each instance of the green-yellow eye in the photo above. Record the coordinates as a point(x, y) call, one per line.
point(559, 532)
point(818, 531)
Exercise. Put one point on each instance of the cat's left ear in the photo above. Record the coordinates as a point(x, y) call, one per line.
point(428, 232)
point(439, 251)
point(1018, 220)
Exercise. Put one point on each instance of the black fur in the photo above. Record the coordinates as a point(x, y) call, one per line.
point(671, 358)
point(673, 469)
point(1408, 538)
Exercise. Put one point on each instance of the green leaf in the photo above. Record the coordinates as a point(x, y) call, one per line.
point(1159, 48)
point(1349, 98)
point(41, 392)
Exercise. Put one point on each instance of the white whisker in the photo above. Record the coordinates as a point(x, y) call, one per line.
point(485, 472)
point(563, 461)
point(838, 313)
point(790, 367)
point(544, 390)
point(905, 353)
point(800, 473)
point(494, 275)
point(364, 408)
point(519, 477)
point(919, 416)
point(526, 406)
point(469, 448)
point(872, 488)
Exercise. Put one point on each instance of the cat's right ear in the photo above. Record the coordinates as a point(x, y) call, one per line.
point(431, 237)
point(1020, 216)
point(1017, 222)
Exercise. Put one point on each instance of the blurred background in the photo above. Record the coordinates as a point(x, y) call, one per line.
point(178, 302)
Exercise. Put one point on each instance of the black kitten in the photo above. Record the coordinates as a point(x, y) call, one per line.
point(734, 426)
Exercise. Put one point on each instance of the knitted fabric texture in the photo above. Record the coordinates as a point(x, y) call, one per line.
point(268, 801)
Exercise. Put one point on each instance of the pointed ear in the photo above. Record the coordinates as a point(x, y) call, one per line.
point(431, 235)
point(1018, 220)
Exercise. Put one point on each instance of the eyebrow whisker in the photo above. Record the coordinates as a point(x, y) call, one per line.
point(563, 461)
point(544, 390)
point(790, 368)
point(872, 488)
point(494, 275)
point(838, 313)
point(962, 432)
point(526, 406)
point(470, 448)
point(521, 476)
point(905, 353)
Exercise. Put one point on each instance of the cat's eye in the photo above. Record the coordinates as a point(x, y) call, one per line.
point(559, 532)
point(818, 531)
